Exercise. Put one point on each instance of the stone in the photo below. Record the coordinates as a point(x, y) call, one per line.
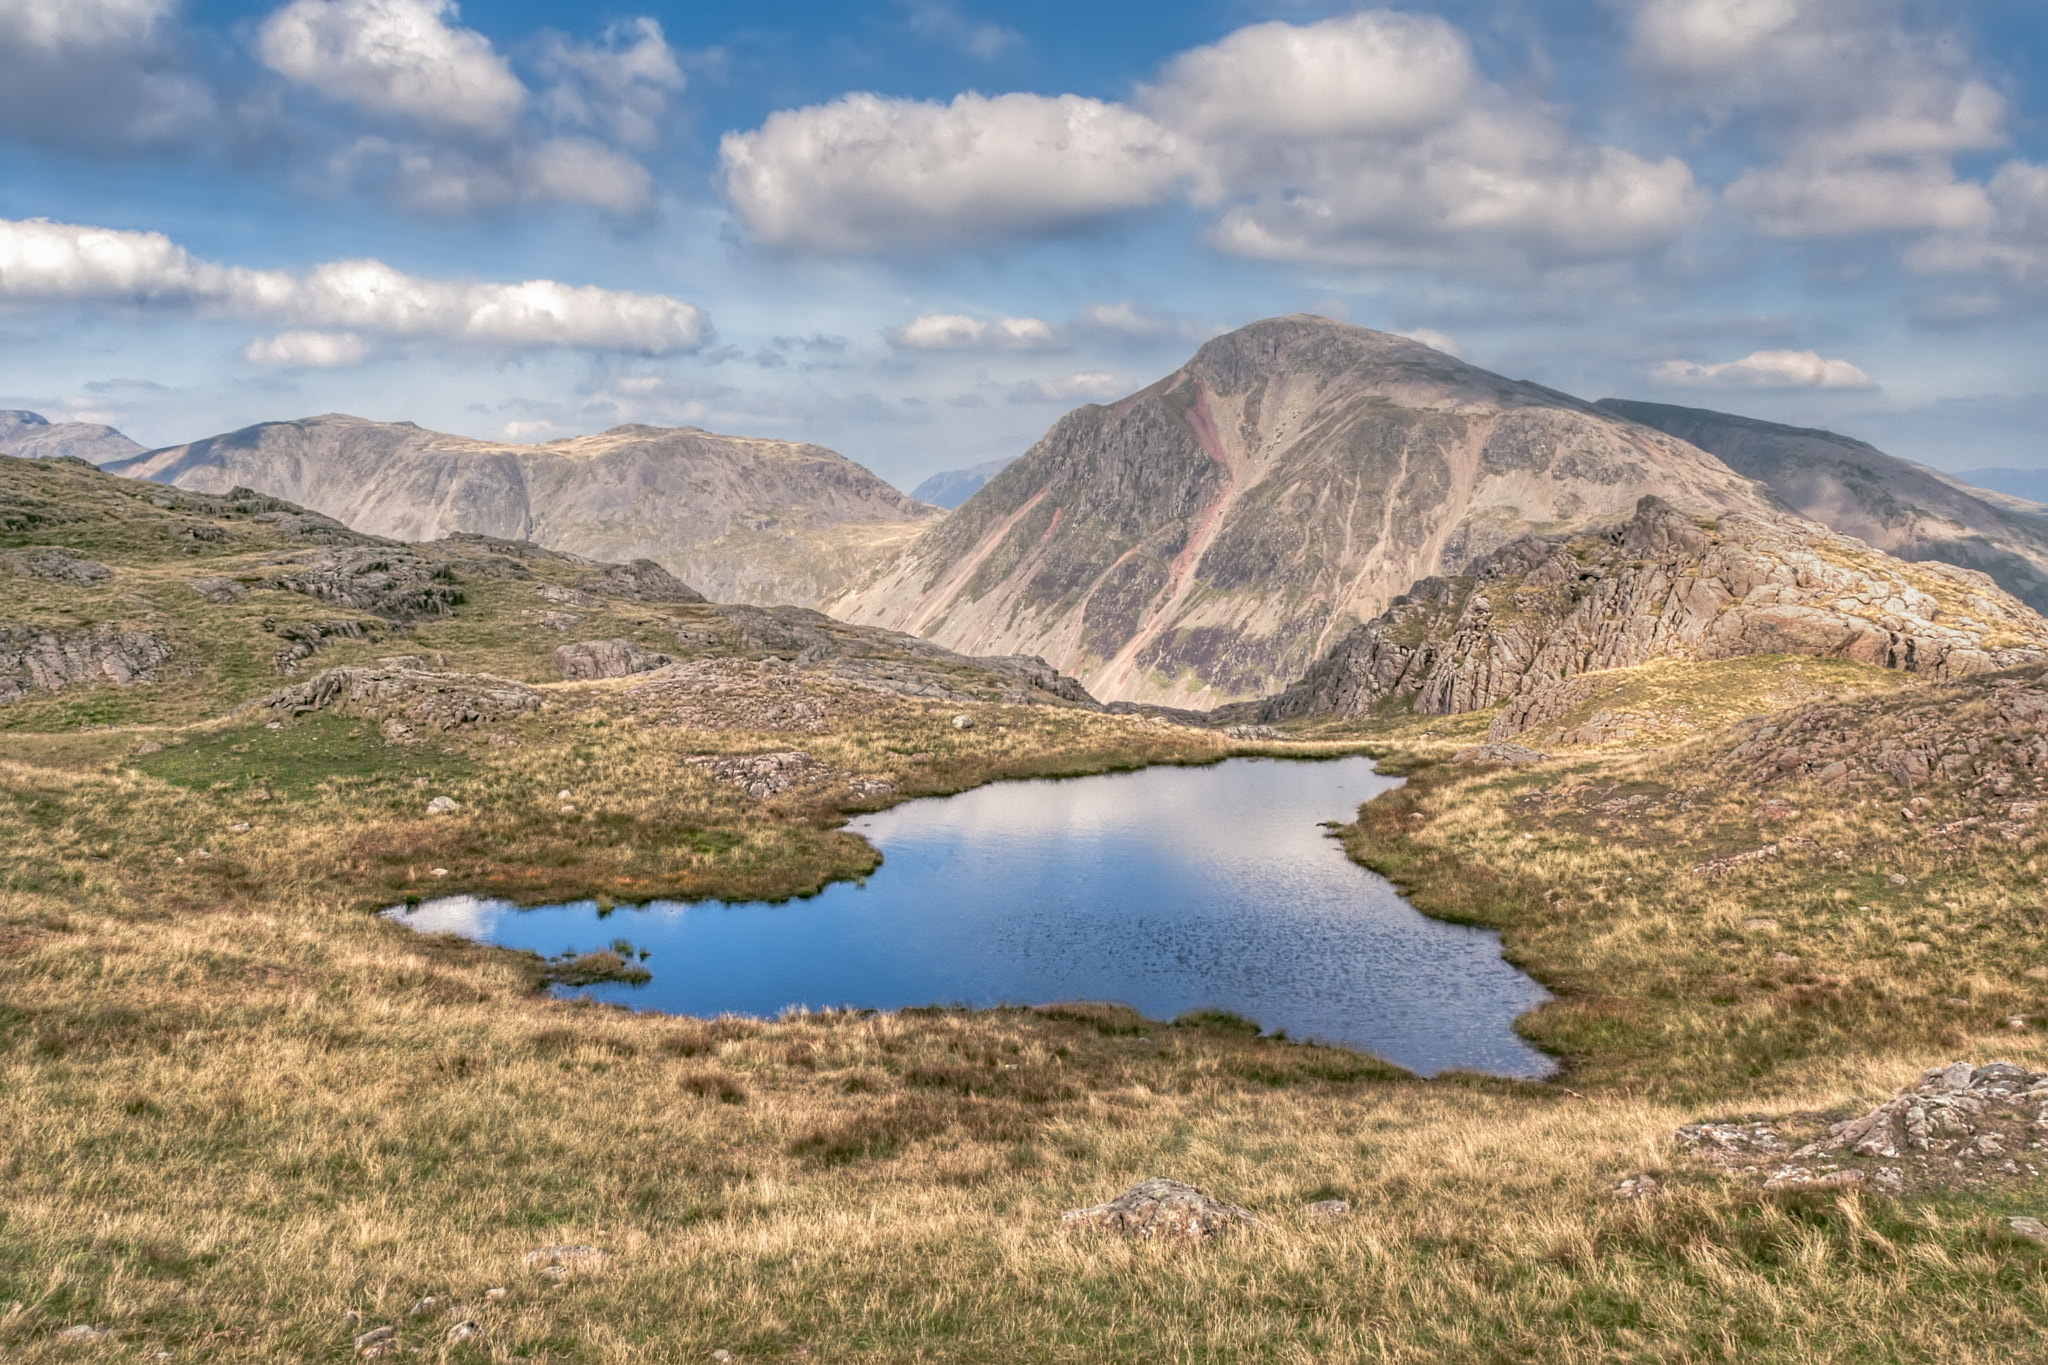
point(643, 580)
point(1327, 1210)
point(424, 1307)
point(1788, 959)
point(375, 1336)
point(1897, 879)
point(441, 701)
point(1763, 926)
point(465, 1330)
point(1639, 1187)
point(219, 591)
point(442, 805)
point(84, 1332)
point(1506, 755)
point(495, 1293)
point(963, 722)
point(1957, 1076)
point(2033, 1229)
point(35, 658)
point(566, 1259)
point(1161, 1209)
point(764, 775)
point(58, 566)
point(721, 1355)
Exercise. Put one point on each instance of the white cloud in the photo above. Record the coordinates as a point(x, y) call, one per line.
point(1372, 74)
point(104, 74)
point(956, 332)
point(307, 351)
point(1093, 386)
point(865, 174)
point(451, 180)
point(2010, 244)
point(1433, 339)
point(1362, 140)
point(395, 57)
point(944, 21)
point(1766, 370)
point(620, 86)
point(1862, 108)
point(46, 262)
point(1128, 321)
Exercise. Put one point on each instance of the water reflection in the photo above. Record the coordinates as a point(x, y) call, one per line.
point(1167, 889)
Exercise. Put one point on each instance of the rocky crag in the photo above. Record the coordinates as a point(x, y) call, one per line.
point(1208, 537)
point(1531, 626)
point(743, 520)
point(1902, 508)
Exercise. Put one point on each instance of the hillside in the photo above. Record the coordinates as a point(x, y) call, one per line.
point(1902, 508)
point(1534, 626)
point(1210, 536)
point(744, 520)
point(31, 436)
point(949, 488)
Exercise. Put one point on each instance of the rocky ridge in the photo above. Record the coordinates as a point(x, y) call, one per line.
point(31, 436)
point(743, 520)
point(1531, 624)
point(1209, 537)
point(1850, 486)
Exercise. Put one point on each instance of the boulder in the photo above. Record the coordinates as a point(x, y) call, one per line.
point(1160, 1209)
point(643, 580)
point(47, 659)
point(443, 701)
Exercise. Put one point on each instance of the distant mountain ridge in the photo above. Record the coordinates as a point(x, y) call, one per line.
point(2028, 485)
point(1902, 508)
point(31, 436)
point(954, 486)
point(744, 520)
point(1206, 538)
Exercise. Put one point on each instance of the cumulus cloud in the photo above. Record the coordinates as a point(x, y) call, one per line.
point(46, 262)
point(2009, 244)
point(100, 74)
point(307, 351)
point(1433, 339)
point(957, 332)
point(1129, 321)
point(1366, 139)
point(1766, 370)
point(865, 174)
point(620, 85)
point(401, 58)
point(1093, 386)
point(1863, 110)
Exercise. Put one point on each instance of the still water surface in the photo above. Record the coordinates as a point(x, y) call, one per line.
point(1167, 889)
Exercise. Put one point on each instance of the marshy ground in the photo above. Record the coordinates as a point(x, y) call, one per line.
point(247, 1120)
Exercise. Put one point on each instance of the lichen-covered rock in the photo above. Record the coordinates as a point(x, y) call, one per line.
point(1526, 625)
point(58, 566)
point(589, 659)
point(643, 580)
point(1163, 1210)
point(764, 775)
point(444, 701)
point(47, 659)
point(1506, 755)
point(218, 590)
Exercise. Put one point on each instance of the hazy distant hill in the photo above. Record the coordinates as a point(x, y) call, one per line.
point(743, 520)
point(1209, 537)
point(955, 486)
point(32, 436)
point(2028, 484)
point(1902, 508)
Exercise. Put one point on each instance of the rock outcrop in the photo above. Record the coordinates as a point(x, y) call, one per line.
point(1902, 508)
point(1525, 627)
point(1207, 538)
point(641, 581)
point(442, 701)
point(49, 659)
point(1166, 1210)
point(57, 565)
point(743, 520)
point(588, 659)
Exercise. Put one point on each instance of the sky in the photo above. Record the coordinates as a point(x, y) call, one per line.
point(917, 231)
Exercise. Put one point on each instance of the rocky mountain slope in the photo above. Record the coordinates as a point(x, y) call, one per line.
point(741, 519)
point(119, 597)
point(1534, 626)
point(952, 487)
point(1208, 537)
point(1902, 508)
point(31, 436)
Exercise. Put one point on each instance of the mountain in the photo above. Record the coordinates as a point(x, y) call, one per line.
point(1537, 623)
point(1902, 508)
point(743, 520)
point(955, 486)
point(1207, 538)
point(31, 436)
point(2028, 485)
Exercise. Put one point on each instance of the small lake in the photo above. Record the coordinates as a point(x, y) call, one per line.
point(1166, 889)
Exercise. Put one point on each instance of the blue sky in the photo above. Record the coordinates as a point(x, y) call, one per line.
point(919, 230)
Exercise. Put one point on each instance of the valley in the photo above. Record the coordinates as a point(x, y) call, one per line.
point(1735, 735)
